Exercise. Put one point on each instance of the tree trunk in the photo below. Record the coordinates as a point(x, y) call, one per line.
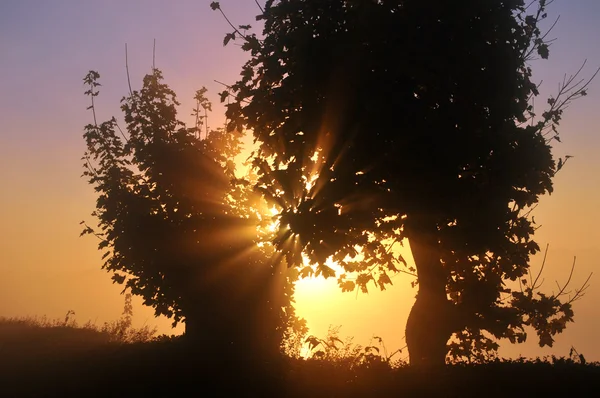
point(237, 316)
point(208, 330)
point(431, 320)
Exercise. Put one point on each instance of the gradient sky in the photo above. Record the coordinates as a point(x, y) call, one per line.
point(47, 47)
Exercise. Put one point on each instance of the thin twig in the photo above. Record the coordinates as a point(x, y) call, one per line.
point(127, 69)
point(197, 112)
point(570, 88)
point(206, 122)
point(550, 30)
point(223, 84)
point(90, 167)
point(93, 232)
point(530, 210)
point(259, 6)
point(232, 25)
point(407, 273)
point(230, 88)
point(562, 290)
point(121, 131)
point(533, 285)
point(580, 292)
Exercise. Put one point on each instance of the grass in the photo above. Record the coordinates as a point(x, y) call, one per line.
point(59, 358)
point(21, 338)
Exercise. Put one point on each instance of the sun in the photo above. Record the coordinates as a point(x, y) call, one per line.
point(320, 301)
point(320, 287)
point(272, 227)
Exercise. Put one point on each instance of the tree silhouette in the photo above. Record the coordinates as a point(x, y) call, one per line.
point(380, 121)
point(177, 230)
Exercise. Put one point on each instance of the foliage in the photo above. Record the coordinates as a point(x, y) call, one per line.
point(295, 334)
point(473, 347)
point(346, 354)
point(141, 181)
point(380, 121)
point(122, 330)
point(176, 225)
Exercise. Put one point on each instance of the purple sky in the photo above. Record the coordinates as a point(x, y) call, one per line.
point(47, 47)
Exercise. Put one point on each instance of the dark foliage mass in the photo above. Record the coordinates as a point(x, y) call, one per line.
point(177, 229)
point(170, 368)
point(380, 121)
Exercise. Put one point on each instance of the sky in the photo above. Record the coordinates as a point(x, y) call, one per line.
point(47, 47)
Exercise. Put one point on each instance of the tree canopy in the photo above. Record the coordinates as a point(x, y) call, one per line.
point(380, 121)
point(177, 229)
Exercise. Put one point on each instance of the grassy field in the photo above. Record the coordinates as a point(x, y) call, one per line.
point(40, 358)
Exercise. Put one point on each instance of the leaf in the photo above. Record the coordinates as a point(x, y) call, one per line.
point(228, 38)
point(530, 20)
point(306, 272)
point(335, 339)
point(86, 231)
point(324, 270)
point(347, 286)
point(313, 342)
point(543, 51)
point(215, 5)
point(362, 281)
point(224, 95)
point(383, 280)
point(401, 259)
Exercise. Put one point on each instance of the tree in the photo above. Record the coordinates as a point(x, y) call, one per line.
point(380, 121)
point(177, 230)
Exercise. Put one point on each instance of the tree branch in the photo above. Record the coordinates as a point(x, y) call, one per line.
point(259, 6)
point(127, 70)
